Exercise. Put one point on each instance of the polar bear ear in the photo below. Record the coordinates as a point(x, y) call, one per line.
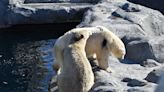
point(78, 36)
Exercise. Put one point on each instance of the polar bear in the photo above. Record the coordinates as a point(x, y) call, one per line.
point(62, 42)
point(75, 70)
point(100, 45)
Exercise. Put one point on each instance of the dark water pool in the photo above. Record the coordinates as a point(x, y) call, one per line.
point(26, 56)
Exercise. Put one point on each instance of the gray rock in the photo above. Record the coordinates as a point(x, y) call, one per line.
point(139, 50)
point(136, 82)
point(157, 44)
point(154, 75)
point(150, 63)
point(104, 82)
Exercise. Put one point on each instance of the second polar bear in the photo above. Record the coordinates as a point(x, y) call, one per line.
point(75, 70)
point(100, 45)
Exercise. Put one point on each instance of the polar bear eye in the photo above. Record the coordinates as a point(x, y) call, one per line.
point(104, 43)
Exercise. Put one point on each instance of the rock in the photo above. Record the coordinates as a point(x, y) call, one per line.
point(139, 51)
point(136, 82)
point(140, 48)
point(160, 86)
point(154, 75)
point(157, 44)
point(150, 63)
point(104, 82)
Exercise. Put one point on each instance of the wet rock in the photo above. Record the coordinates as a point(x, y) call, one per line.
point(150, 63)
point(154, 75)
point(136, 82)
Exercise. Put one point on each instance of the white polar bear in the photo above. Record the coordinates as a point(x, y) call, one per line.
point(75, 70)
point(100, 45)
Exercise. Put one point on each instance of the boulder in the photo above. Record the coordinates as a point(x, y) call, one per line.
point(104, 82)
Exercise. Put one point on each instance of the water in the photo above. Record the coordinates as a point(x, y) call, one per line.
point(26, 56)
